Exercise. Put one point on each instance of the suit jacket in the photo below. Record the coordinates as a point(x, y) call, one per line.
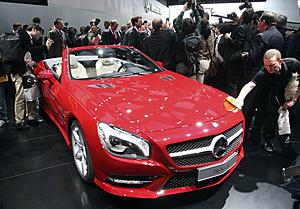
point(269, 39)
point(58, 45)
point(27, 45)
point(294, 47)
point(40, 56)
point(109, 37)
point(126, 37)
point(133, 38)
point(240, 42)
point(158, 46)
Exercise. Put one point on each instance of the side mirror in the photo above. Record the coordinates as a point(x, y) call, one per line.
point(160, 64)
point(45, 75)
point(42, 72)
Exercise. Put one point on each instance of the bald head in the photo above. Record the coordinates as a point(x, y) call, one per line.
point(157, 23)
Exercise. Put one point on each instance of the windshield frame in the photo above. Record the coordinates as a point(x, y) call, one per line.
point(117, 61)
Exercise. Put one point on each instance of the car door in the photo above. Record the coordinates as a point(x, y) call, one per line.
point(51, 87)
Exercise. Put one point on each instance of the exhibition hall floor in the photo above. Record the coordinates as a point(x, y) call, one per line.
point(37, 172)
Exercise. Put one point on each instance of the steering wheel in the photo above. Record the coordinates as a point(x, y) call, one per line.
point(123, 66)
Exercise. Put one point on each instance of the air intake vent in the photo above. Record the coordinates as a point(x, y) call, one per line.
point(167, 78)
point(102, 86)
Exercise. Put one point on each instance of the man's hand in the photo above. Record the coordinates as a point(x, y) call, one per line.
point(244, 54)
point(185, 7)
point(236, 102)
point(49, 42)
point(288, 104)
point(31, 64)
point(227, 36)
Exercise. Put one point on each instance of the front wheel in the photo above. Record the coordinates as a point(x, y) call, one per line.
point(81, 153)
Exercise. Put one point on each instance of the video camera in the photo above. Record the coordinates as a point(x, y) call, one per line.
point(198, 5)
point(232, 16)
point(246, 4)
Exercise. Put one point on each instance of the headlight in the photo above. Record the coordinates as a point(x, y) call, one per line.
point(121, 143)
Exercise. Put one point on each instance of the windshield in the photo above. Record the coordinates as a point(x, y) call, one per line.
point(100, 63)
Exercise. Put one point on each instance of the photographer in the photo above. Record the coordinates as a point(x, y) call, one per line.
point(187, 28)
point(184, 27)
point(238, 42)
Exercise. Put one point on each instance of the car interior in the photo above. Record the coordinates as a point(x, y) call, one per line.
point(102, 63)
point(107, 65)
point(78, 71)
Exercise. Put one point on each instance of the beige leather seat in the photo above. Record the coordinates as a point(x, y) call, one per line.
point(106, 65)
point(78, 71)
point(57, 69)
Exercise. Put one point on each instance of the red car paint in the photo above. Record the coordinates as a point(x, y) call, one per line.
point(164, 108)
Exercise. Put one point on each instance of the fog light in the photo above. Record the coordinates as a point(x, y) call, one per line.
point(130, 180)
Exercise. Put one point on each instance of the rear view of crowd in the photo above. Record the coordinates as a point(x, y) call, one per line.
point(225, 56)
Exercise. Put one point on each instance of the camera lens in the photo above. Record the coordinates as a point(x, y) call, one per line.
point(243, 6)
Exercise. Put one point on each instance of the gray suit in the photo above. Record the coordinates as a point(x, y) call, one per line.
point(59, 44)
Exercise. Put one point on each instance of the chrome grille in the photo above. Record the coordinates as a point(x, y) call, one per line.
point(234, 144)
point(204, 142)
point(204, 157)
point(194, 160)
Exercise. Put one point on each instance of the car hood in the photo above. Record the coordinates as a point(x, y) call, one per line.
point(152, 102)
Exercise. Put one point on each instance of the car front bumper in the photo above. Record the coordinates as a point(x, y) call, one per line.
point(163, 174)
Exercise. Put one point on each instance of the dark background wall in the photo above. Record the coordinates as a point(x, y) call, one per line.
point(36, 2)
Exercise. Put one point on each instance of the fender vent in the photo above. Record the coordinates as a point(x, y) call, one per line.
point(102, 86)
point(167, 78)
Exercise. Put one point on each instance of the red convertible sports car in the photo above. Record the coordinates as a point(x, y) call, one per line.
point(137, 129)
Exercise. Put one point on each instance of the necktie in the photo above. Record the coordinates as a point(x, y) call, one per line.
point(62, 38)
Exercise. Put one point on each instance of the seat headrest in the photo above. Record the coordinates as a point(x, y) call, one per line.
point(73, 61)
point(108, 62)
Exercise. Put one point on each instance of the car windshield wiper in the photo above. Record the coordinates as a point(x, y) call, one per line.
point(108, 75)
point(123, 74)
point(136, 73)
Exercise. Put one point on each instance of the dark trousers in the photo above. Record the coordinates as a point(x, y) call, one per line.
point(234, 80)
point(270, 126)
point(255, 108)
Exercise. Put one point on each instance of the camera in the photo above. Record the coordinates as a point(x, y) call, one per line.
point(246, 4)
point(198, 5)
point(232, 16)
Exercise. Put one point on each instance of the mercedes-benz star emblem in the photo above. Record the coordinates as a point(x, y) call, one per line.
point(220, 146)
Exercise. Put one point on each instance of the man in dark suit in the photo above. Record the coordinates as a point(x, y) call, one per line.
point(19, 68)
point(110, 36)
point(126, 33)
point(38, 57)
point(132, 36)
point(236, 76)
point(294, 47)
point(158, 45)
point(59, 38)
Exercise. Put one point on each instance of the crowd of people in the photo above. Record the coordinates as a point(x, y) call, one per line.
point(242, 48)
